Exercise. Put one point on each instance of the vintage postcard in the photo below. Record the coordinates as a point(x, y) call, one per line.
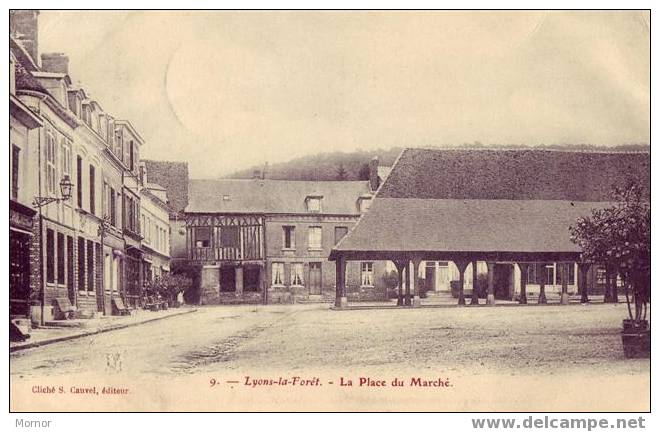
point(336, 210)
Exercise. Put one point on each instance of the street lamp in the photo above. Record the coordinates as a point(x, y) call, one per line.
point(39, 202)
point(65, 191)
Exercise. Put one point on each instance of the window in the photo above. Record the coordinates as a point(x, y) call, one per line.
point(315, 238)
point(79, 184)
point(550, 274)
point(81, 264)
point(278, 273)
point(119, 143)
point(289, 233)
point(202, 236)
point(229, 236)
point(367, 274)
point(66, 157)
point(127, 152)
point(340, 232)
point(92, 189)
point(131, 165)
point(15, 155)
point(126, 215)
point(90, 265)
point(50, 163)
point(69, 264)
point(113, 207)
point(364, 204)
point(297, 274)
point(60, 258)
point(601, 276)
point(531, 274)
point(571, 273)
point(314, 205)
point(50, 256)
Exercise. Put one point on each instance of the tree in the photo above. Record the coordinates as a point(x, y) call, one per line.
point(169, 286)
point(620, 238)
point(364, 172)
point(342, 174)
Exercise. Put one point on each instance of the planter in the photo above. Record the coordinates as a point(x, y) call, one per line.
point(636, 339)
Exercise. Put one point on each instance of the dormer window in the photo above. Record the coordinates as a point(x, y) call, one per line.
point(363, 203)
point(313, 203)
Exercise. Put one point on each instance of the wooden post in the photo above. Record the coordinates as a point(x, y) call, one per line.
point(407, 297)
point(417, 302)
point(462, 266)
point(475, 292)
point(400, 267)
point(583, 268)
point(523, 282)
point(340, 283)
point(564, 283)
point(262, 284)
point(491, 283)
point(542, 278)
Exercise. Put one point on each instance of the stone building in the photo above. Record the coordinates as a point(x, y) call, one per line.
point(79, 248)
point(267, 241)
point(24, 258)
point(155, 228)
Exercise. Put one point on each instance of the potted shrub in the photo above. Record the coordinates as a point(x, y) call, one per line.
point(620, 237)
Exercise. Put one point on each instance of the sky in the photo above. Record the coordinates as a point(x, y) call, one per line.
point(228, 90)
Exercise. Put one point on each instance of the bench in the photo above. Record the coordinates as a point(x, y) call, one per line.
point(118, 307)
point(63, 308)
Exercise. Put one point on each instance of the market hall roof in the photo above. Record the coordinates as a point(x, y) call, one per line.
point(487, 201)
point(273, 196)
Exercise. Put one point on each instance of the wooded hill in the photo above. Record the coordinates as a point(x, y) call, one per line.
point(354, 165)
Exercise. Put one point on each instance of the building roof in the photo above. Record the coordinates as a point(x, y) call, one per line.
point(449, 225)
point(273, 196)
point(173, 176)
point(513, 174)
point(511, 201)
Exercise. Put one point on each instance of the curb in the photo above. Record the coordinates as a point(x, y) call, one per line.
point(93, 332)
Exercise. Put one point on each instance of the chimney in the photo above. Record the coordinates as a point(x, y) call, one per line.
point(373, 174)
point(55, 62)
point(23, 26)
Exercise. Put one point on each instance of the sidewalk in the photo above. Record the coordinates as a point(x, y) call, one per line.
point(79, 328)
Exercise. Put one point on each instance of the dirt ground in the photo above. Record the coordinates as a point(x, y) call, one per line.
point(512, 340)
point(560, 358)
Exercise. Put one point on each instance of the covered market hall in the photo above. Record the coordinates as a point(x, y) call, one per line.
point(489, 209)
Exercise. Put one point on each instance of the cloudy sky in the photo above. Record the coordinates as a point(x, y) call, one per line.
point(227, 90)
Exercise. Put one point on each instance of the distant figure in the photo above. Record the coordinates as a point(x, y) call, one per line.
point(179, 298)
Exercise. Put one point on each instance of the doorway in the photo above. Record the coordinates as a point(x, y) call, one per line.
point(442, 277)
point(315, 287)
point(503, 281)
point(227, 279)
point(251, 278)
point(19, 273)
